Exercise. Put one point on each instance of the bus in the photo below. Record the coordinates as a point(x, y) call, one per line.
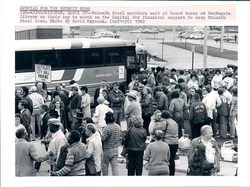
point(88, 61)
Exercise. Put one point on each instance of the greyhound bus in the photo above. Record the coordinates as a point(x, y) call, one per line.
point(88, 61)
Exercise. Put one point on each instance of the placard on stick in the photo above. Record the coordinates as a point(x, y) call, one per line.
point(43, 73)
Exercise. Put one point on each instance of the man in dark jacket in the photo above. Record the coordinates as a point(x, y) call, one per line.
point(25, 117)
point(98, 91)
point(137, 136)
point(198, 116)
point(44, 122)
point(17, 99)
point(25, 96)
point(75, 104)
point(162, 101)
point(45, 116)
point(142, 76)
point(117, 99)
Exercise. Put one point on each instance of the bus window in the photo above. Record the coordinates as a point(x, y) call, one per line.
point(71, 58)
point(114, 56)
point(47, 58)
point(130, 61)
point(141, 59)
point(93, 57)
point(23, 61)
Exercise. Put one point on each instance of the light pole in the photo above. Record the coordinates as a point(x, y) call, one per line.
point(162, 48)
point(174, 30)
point(205, 48)
point(154, 30)
point(73, 33)
point(221, 39)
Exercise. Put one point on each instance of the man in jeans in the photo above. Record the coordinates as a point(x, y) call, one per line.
point(37, 100)
point(197, 116)
point(111, 141)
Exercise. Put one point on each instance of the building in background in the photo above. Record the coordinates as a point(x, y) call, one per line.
point(38, 32)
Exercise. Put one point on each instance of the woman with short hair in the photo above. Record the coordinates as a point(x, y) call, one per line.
point(85, 102)
point(59, 109)
point(137, 136)
point(176, 108)
point(170, 136)
point(201, 78)
point(217, 78)
point(147, 107)
point(155, 120)
point(157, 154)
point(100, 112)
point(193, 82)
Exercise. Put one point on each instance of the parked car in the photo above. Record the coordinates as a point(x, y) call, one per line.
point(145, 30)
point(153, 31)
point(161, 30)
point(182, 34)
point(135, 31)
point(107, 34)
point(215, 32)
point(225, 37)
point(197, 36)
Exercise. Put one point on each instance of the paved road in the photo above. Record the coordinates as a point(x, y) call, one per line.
point(176, 57)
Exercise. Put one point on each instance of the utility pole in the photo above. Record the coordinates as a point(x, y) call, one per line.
point(205, 48)
point(221, 38)
point(162, 49)
point(193, 50)
point(174, 33)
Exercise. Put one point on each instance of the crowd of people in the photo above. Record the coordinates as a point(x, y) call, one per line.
point(158, 105)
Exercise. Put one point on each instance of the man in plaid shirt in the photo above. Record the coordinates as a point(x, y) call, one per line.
point(111, 141)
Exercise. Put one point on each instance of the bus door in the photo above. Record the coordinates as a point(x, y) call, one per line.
point(131, 65)
point(141, 60)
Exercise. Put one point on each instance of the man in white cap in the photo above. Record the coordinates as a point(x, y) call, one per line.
point(37, 100)
point(142, 76)
point(134, 107)
point(58, 139)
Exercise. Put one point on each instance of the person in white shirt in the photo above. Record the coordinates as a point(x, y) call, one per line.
point(226, 93)
point(228, 81)
point(193, 82)
point(212, 101)
point(100, 112)
point(58, 139)
point(37, 100)
point(217, 78)
point(94, 151)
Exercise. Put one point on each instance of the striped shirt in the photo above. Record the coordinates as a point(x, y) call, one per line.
point(75, 161)
point(111, 136)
